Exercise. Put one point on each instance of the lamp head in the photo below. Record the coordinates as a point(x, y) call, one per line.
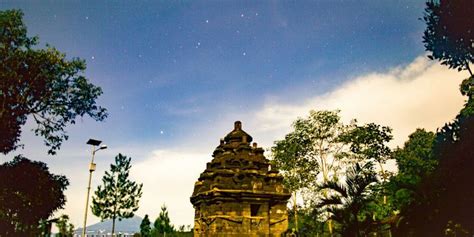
point(103, 147)
point(94, 142)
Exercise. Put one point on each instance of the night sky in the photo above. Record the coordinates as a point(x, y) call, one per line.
point(176, 74)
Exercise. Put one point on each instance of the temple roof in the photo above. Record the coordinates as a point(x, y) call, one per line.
point(238, 171)
point(238, 135)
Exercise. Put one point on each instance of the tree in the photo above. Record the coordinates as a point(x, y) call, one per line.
point(445, 206)
point(29, 193)
point(447, 192)
point(448, 35)
point(298, 170)
point(145, 227)
point(450, 39)
point(118, 196)
point(41, 84)
point(313, 147)
point(162, 224)
point(346, 202)
point(65, 229)
point(369, 143)
point(415, 161)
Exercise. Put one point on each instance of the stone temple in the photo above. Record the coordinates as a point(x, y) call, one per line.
point(238, 194)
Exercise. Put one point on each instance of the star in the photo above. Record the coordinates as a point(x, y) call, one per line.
point(87, 18)
point(207, 21)
point(244, 53)
point(161, 132)
point(242, 15)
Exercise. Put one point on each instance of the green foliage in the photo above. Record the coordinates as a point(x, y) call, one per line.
point(65, 229)
point(448, 192)
point(118, 196)
point(346, 202)
point(29, 193)
point(41, 84)
point(162, 223)
point(322, 145)
point(368, 142)
point(448, 35)
point(290, 158)
point(416, 160)
point(308, 225)
point(313, 147)
point(416, 157)
point(309, 149)
point(145, 227)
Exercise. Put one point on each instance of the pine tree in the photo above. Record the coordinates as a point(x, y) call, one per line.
point(118, 196)
point(162, 223)
point(145, 228)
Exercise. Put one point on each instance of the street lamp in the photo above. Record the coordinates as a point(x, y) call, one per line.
point(94, 143)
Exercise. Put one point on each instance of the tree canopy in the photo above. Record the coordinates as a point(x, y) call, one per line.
point(319, 150)
point(65, 229)
point(162, 223)
point(39, 84)
point(145, 227)
point(449, 35)
point(29, 193)
point(415, 160)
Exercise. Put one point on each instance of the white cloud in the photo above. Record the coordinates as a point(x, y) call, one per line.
point(168, 177)
point(422, 94)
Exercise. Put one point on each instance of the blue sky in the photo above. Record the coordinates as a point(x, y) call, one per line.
point(165, 65)
point(173, 72)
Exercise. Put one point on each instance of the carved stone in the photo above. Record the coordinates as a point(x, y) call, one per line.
point(238, 194)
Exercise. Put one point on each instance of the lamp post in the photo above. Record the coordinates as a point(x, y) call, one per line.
point(94, 143)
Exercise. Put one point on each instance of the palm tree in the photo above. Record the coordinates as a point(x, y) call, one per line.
point(346, 201)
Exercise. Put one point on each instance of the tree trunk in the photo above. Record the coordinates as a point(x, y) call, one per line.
point(296, 213)
point(113, 226)
point(330, 227)
point(384, 180)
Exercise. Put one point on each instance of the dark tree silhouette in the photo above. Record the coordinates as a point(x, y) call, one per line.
point(449, 35)
point(29, 193)
point(447, 194)
point(41, 84)
point(443, 206)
